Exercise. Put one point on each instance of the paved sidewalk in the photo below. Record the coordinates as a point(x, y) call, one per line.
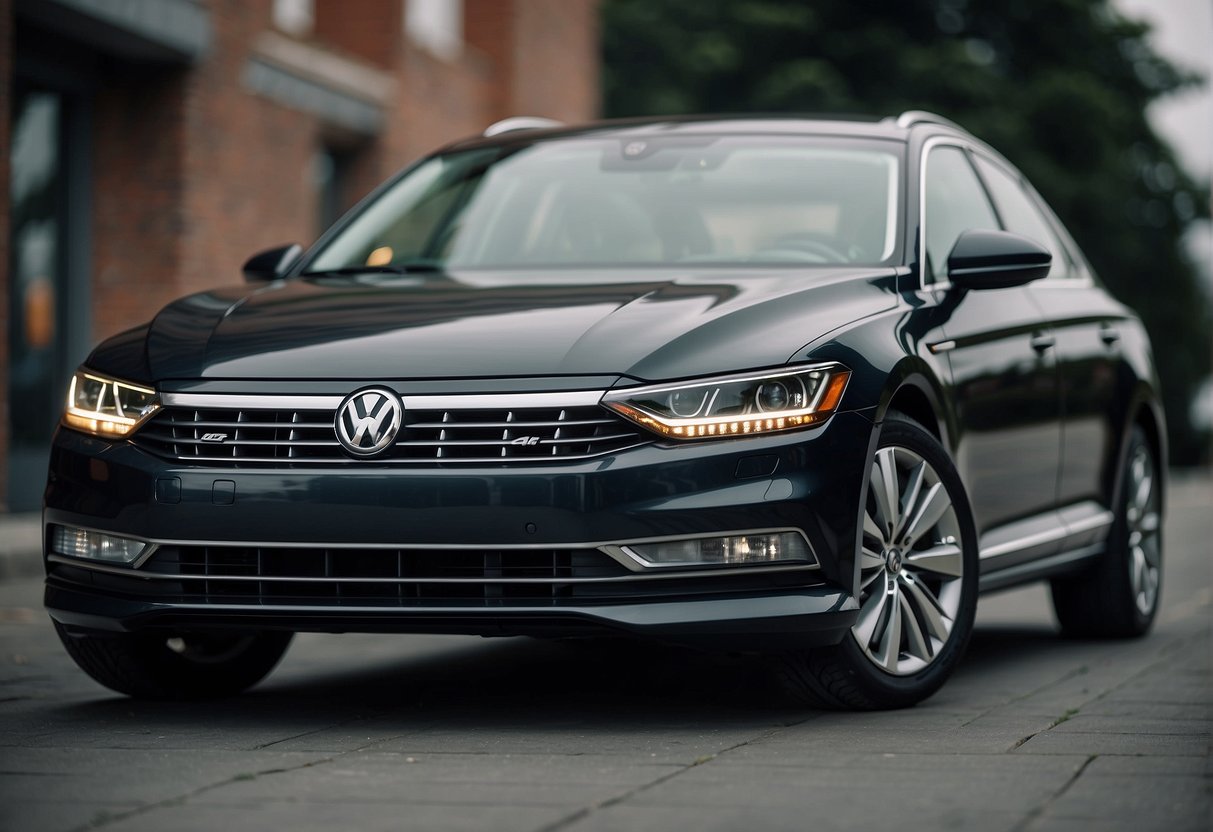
point(20, 545)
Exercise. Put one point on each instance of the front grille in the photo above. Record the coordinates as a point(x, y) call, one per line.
point(401, 578)
point(230, 436)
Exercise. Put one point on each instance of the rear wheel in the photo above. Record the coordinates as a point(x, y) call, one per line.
point(918, 584)
point(1118, 596)
point(157, 665)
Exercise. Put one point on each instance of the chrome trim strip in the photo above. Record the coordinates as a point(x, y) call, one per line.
point(998, 578)
point(287, 544)
point(924, 156)
point(316, 463)
point(241, 401)
point(941, 346)
point(512, 401)
point(1026, 542)
point(457, 401)
point(1066, 529)
point(631, 576)
point(1103, 518)
point(891, 218)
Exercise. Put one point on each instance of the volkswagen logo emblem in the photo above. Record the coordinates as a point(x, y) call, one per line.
point(368, 421)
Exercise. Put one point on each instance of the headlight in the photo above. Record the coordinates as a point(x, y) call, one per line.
point(106, 406)
point(743, 405)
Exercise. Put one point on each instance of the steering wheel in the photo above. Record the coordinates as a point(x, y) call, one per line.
point(811, 243)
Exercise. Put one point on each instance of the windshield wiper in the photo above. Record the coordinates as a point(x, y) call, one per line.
point(418, 267)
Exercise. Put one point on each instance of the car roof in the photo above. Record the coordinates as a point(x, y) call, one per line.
point(895, 128)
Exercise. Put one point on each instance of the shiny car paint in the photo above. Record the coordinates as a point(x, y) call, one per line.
point(1032, 390)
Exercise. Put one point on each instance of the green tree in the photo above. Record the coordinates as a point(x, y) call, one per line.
point(1059, 86)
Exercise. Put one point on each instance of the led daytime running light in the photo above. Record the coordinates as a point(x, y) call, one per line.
point(831, 381)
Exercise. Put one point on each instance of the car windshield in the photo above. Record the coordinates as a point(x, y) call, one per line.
point(581, 202)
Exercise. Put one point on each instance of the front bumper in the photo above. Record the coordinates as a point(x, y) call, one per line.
point(543, 516)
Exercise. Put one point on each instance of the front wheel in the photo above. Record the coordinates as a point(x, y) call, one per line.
point(158, 665)
point(918, 584)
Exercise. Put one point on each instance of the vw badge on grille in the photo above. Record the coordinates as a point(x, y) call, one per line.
point(368, 421)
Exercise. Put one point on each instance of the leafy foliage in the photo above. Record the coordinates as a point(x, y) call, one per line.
point(1060, 87)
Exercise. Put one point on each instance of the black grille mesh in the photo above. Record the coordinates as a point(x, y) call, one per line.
point(349, 576)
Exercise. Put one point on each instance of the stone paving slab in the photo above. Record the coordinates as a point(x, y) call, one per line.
point(363, 817)
point(1133, 724)
point(909, 782)
point(448, 778)
point(1172, 745)
point(1157, 802)
point(869, 816)
point(1133, 823)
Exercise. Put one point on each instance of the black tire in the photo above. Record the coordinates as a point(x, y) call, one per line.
point(176, 665)
point(1104, 601)
point(850, 675)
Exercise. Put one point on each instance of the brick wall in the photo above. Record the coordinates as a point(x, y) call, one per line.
point(556, 59)
point(543, 56)
point(6, 106)
point(138, 185)
point(248, 159)
point(370, 29)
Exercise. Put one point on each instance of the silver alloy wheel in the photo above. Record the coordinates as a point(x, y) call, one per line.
point(1144, 527)
point(910, 564)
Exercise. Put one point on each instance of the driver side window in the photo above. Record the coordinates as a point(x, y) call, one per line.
point(955, 202)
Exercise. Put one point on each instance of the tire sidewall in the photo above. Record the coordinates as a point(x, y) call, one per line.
point(887, 690)
point(1119, 554)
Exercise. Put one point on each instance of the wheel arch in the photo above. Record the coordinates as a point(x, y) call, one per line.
point(1144, 412)
point(914, 390)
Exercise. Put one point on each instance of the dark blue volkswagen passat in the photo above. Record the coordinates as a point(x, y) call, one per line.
point(792, 386)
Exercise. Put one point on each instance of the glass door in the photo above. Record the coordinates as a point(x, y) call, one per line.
point(37, 289)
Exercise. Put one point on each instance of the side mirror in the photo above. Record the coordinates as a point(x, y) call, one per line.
point(986, 259)
point(271, 264)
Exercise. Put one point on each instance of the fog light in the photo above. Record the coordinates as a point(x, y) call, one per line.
point(742, 549)
point(81, 543)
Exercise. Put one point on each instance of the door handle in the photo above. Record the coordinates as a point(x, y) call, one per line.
point(1042, 342)
point(1109, 335)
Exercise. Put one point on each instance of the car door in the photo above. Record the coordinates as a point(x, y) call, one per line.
point(1085, 321)
point(1004, 374)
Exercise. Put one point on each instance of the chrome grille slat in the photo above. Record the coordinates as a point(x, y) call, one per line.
point(566, 423)
point(306, 437)
point(294, 442)
point(247, 424)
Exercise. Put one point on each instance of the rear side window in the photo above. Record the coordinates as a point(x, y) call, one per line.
point(955, 202)
point(1021, 215)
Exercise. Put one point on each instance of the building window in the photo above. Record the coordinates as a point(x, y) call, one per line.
point(331, 175)
point(436, 25)
point(295, 17)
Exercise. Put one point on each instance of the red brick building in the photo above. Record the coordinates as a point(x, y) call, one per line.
point(148, 147)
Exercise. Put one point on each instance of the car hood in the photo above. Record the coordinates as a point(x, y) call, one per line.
point(650, 325)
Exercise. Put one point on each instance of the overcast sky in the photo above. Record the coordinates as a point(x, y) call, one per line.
point(1183, 32)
